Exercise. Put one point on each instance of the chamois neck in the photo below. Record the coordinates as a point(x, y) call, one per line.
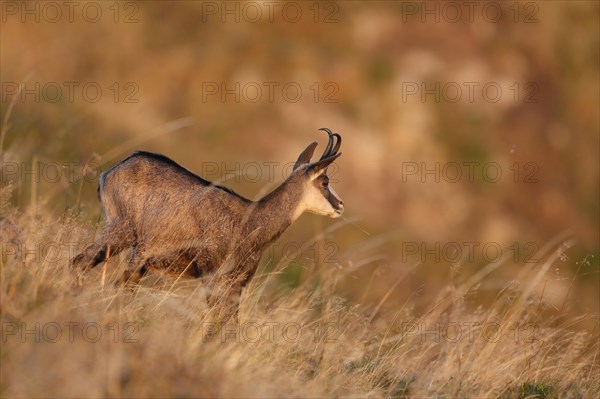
point(273, 214)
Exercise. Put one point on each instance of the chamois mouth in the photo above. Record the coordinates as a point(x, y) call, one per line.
point(337, 213)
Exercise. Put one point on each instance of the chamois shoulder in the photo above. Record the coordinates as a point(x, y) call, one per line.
point(162, 161)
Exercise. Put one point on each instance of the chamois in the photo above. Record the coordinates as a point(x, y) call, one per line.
point(178, 223)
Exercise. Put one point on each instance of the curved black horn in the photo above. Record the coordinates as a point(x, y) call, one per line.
point(327, 151)
point(337, 145)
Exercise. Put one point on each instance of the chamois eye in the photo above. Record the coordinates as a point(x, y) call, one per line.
point(324, 183)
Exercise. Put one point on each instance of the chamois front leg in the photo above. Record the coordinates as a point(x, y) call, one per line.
point(223, 298)
point(223, 294)
point(225, 289)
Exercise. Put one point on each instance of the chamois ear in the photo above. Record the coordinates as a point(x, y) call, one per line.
point(320, 166)
point(306, 155)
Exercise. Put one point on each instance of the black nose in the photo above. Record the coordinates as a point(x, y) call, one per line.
point(341, 203)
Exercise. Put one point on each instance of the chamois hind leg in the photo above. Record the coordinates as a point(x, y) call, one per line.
point(135, 269)
point(173, 262)
point(112, 241)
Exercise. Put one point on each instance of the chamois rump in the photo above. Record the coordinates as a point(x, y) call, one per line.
point(175, 222)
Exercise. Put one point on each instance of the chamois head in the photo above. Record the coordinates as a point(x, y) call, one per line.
point(317, 195)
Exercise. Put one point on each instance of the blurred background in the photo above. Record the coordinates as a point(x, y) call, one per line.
point(469, 131)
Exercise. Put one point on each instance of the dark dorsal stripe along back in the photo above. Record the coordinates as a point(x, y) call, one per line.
point(187, 172)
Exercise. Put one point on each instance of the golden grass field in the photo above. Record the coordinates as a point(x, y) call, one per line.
point(398, 298)
point(304, 338)
point(158, 339)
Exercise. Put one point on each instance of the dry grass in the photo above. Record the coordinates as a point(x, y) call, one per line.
point(338, 330)
point(154, 341)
